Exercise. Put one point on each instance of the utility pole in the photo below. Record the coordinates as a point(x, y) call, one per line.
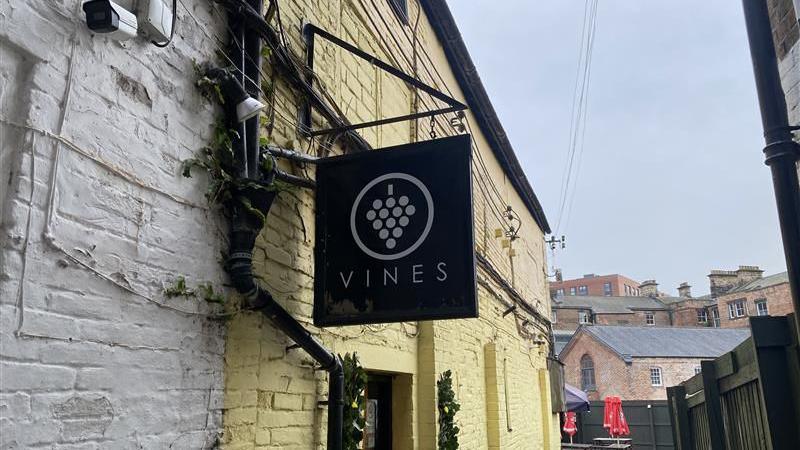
point(781, 152)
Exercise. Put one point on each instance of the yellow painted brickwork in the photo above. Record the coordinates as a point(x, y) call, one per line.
point(272, 393)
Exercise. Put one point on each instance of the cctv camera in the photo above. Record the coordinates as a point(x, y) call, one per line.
point(105, 16)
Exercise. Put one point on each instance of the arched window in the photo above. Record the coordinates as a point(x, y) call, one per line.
point(587, 373)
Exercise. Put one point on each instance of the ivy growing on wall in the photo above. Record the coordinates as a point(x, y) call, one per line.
point(448, 407)
point(355, 382)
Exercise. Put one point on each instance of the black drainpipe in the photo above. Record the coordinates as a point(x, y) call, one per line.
point(781, 152)
point(245, 226)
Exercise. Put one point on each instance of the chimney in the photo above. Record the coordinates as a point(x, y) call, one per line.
point(559, 276)
point(589, 275)
point(746, 274)
point(721, 281)
point(649, 288)
point(684, 290)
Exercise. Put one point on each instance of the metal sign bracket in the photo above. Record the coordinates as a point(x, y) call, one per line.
point(310, 31)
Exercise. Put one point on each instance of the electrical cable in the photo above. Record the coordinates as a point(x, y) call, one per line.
point(567, 167)
point(172, 28)
point(579, 113)
point(428, 67)
point(583, 125)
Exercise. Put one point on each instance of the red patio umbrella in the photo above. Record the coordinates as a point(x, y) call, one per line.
point(614, 418)
point(570, 424)
point(624, 429)
point(608, 412)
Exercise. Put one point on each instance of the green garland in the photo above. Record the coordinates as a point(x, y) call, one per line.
point(355, 381)
point(448, 407)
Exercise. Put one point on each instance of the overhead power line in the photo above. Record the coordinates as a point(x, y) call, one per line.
point(579, 115)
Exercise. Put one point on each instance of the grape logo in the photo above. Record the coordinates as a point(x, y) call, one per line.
point(391, 216)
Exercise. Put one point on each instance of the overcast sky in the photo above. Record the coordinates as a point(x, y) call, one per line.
point(672, 180)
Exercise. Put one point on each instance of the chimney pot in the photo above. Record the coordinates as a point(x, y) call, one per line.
point(684, 290)
point(649, 288)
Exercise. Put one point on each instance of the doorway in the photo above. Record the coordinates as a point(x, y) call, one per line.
point(378, 428)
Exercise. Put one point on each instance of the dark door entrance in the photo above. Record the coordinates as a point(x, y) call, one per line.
point(378, 429)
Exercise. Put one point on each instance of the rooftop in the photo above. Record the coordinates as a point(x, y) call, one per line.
point(666, 342)
point(761, 283)
point(560, 340)
point(674, 300)
point(609, 304)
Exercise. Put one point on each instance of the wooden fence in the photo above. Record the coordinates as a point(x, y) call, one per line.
point(747, 399)
point(648, 420)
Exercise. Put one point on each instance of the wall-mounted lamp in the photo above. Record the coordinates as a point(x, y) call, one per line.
point(246, 106)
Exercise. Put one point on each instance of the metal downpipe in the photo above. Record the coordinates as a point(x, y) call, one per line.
point(244, 228)
point(781, 152)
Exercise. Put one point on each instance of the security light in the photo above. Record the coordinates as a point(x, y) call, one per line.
point(247, 108)
point(232, 91)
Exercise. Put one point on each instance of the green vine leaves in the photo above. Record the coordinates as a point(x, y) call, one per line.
point(203, 291)
point(448, 407)
point(355, 382)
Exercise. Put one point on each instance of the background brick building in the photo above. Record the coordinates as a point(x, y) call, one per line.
point(638, 363)
point(571, 312)
point(614, 285)
point(761, 297)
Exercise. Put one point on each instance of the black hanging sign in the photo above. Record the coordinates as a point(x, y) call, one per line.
point(394, 235)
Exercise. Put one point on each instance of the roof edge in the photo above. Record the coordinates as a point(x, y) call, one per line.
point(466, 74)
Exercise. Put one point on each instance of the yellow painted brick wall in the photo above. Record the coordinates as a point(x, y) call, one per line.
point(271, 392)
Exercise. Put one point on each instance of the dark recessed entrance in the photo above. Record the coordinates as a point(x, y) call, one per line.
point(378, 429)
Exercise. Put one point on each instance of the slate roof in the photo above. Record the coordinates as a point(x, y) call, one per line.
point(674, 300)
point(609, 305)
point(761, 283)
point(666, 342)
point(560, 340)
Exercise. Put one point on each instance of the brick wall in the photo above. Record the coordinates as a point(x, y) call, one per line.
point(786, 33)
point(567, 318)
point(684, 314)
point(629, 381)
point(271, 393)
point(596, 285)
point(93, 356)
point(91, 353)
point(779, 303)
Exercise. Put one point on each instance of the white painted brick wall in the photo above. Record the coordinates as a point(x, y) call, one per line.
point(85, 363)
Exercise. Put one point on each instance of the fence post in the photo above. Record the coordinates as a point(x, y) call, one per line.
point(652, 426)
point(771, 338)
point(679, 417)
point(716, 425)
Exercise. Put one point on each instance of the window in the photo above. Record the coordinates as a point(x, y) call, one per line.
point(607, 289)
point(587, 373)
point(553, 316)
point(737, 309)
point(715, 316)
point(697, 370)
point(583, 290)
point(655, 376)
point(627, 290)
point(702, 315)
point(761, 308)
point(649, 318)
point(584, 316)
point(573, 290)
point(559, 292)
point(400, 8)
